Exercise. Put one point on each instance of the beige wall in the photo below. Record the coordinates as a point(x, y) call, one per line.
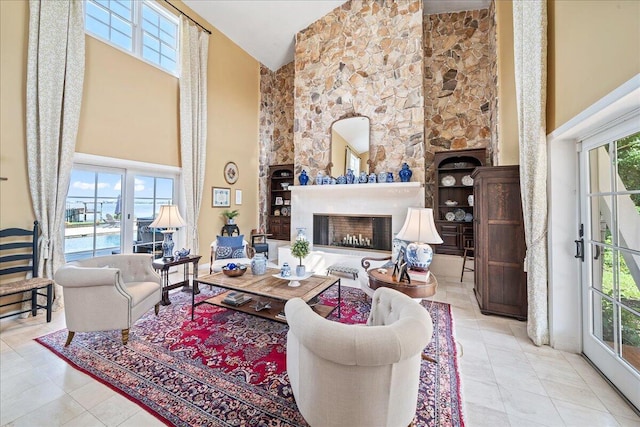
point(508, 151)
point(130, 111)
point(593, 48)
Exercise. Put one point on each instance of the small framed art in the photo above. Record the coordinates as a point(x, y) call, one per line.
point(238, 197)
point(279, 201)
point(231, 173)
point(221, 197)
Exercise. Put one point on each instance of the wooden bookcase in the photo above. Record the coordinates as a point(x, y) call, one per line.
point(455, 166)
point(279, 199)
point(500, 280)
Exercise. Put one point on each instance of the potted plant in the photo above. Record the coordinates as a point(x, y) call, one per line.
point(230, 216)
point(300, 249)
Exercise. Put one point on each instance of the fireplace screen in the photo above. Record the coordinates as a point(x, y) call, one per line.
point(353, 231)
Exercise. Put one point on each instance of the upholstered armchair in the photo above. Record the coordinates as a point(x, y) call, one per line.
point(108, 292)
point(358, 375)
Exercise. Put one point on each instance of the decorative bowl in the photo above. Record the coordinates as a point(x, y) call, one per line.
point(451, 203)
point(234, 270)
point(284, 185)
point(459, 165)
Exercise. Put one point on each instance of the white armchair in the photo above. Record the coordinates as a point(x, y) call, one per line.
point(108, 292)
point(358, 375)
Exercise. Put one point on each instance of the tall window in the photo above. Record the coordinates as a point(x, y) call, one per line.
point(140, 27)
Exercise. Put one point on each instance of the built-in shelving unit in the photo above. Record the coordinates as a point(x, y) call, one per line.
point(453, 211)
point(279, 222)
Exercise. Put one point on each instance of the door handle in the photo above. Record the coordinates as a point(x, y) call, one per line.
point(580, 244)
point(597, 255)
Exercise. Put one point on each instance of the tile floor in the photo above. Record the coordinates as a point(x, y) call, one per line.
point(506, 380)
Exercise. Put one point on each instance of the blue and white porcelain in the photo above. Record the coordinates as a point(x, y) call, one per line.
point(389, 176)
point(350, 176)
point(363, 177)
point(303, 178)
point(382, 177)
point(405, 173)
point(342, 179)
point(372, 178)
point(319, 178)
point(419, 256)
point(326, 180)
point(285, 271)
point(259, 264)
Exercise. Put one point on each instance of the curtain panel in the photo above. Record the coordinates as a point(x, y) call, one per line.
point(55, 76)
point(530, 52)
point(194, 52)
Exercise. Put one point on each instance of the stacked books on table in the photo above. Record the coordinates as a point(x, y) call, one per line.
point(419, 276)
point(281, 316)
point(236, 298)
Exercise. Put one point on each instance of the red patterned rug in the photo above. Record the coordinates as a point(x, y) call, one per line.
point(228, 368)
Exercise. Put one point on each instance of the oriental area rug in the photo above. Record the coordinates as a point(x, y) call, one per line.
point(227, 368)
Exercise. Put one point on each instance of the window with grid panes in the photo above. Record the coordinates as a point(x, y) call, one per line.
point(140, 27)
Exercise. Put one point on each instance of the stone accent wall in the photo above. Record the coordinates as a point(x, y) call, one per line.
point(276, 127)
point(460, 84)
point(363, 58)
point(493, 60)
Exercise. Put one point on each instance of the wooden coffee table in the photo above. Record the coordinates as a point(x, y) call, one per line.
point(266, 288)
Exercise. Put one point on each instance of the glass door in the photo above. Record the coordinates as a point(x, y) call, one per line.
point(93, 223)
point(150, 192)
point(610, 209)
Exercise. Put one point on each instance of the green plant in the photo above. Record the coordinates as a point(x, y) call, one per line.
point(300, 249)
point(230, 214)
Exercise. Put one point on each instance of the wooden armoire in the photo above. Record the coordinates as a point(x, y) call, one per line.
point(500, 279)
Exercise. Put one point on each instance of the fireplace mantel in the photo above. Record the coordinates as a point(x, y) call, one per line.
point(365, 199)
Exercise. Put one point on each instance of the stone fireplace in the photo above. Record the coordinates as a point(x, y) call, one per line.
point(353, 201)
point(371, 232)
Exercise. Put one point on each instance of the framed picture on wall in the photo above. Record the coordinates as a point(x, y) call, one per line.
point(279, 201)
point(231, 173)
point(220, 197)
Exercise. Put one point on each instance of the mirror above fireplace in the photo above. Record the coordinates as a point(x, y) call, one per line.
point(350, 146)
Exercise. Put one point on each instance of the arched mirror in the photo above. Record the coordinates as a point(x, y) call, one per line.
point(350, 145)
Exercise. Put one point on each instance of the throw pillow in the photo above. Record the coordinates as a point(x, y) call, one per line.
point(231, 241)
point(226, 252)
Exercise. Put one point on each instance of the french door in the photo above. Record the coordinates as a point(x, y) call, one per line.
point(109, 209)
point(610, 216)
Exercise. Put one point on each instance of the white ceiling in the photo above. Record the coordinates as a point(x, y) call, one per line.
point(266, 29)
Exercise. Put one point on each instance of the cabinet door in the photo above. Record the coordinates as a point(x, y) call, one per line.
point(506, 280)
point(449, 234)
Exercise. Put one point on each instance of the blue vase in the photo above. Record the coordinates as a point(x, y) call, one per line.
point(349, 176)
point(389, 176)
point(319, 178)
point(303, 178)
point(364, 178)
point(326, 180)
point(342, 179)
point(405, 173)
point(372, 178)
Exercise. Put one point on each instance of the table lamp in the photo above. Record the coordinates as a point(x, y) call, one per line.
point(420, 229)
point(169, 218)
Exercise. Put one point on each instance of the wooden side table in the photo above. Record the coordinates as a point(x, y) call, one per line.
point(415, 289)
point(161, 265)
point(229, 229)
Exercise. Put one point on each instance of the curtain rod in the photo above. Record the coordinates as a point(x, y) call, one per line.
point(188, 17)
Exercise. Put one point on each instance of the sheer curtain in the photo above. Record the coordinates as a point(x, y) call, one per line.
point(194, 48)
point(530, 51)
point(55, 75)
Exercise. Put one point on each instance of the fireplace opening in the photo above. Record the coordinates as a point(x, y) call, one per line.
point(353, 231)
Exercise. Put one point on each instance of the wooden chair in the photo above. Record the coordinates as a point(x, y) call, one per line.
point(19, 249)
point(468, 255)
point(259, 242)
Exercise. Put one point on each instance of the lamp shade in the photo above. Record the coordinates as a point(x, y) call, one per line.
point(419, 227)
point(169, 217)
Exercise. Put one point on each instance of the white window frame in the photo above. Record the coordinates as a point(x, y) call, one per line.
point(136, 34)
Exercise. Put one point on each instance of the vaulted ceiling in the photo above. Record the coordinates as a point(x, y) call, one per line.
point(266, 28)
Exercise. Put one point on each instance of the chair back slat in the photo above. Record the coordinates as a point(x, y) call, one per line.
point(26, 258)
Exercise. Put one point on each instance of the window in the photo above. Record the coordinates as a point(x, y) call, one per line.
point(139, 27)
